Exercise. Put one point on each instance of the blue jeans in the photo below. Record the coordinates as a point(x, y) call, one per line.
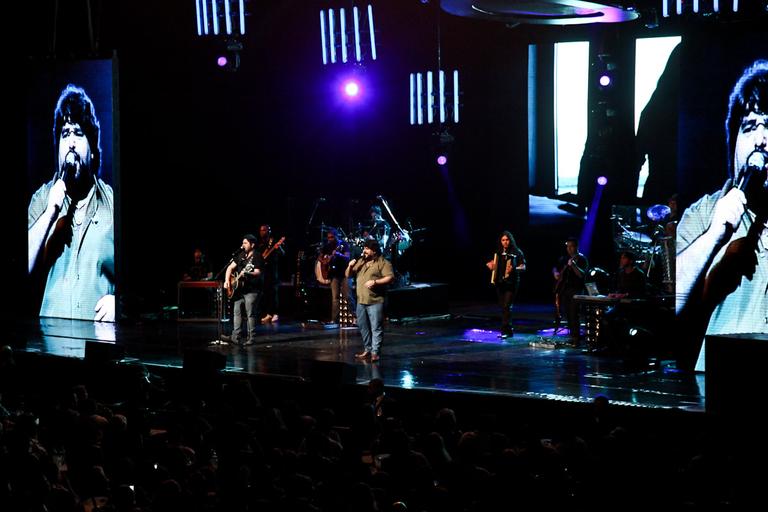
point(251, 303)
point(370, 318)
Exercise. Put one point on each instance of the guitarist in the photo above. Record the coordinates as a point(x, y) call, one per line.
point(274, 252)
point(569, 281)
point(243, 284)
point(334, 257)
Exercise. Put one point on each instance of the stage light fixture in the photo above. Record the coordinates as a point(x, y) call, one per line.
point(432, 103)
point(336, 37)
point(210, 14)
point(442, 160)
point(602, 181)
point(605, 80)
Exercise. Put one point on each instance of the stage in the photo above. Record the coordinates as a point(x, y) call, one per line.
point(457, 352)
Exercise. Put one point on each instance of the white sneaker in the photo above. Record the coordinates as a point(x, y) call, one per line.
point(266, 319)
point(274, 318)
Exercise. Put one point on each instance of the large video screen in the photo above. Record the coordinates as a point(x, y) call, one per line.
point(722, 243)
point(72, 189)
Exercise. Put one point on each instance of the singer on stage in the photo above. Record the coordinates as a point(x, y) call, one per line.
point(507, 264)
point(722, 264)
point(373, 273)
point(70, 220)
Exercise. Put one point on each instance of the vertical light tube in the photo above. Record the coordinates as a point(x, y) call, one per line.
point(441, 94)
point(665, 8)
point(373, 34)
point(343, 27)
point(332, 36)
point(215, 15)
point(455, 95)
point(679, 7)
point(356, 16)
point(430, 99)
point(322, 37)
point(241, 7)
point(696, 6)
point(419, 113)
point(205, 16)
point(735, 5)
point(199, 23)
point(411, 99)
point(716, 5)
point(227, 14)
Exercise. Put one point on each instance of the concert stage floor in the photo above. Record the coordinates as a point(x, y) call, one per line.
point(460, 352)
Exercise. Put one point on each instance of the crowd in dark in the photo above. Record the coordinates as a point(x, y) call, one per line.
point(122, 438)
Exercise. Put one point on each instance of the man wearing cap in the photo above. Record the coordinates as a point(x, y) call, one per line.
point(243, 282)
point(374, 273)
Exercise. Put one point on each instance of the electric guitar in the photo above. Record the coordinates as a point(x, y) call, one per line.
point(267, 252)
point(234, 279)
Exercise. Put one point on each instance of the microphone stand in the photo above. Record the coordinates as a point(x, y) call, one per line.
point(221, 310)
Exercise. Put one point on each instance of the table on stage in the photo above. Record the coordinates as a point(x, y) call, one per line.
point(198, 300)
point(594, 308)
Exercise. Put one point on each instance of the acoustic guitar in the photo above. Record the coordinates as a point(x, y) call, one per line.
point(234, 279)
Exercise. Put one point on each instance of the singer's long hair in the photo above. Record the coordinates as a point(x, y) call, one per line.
point(74, 106)
point(512, 244)
point(750, 94)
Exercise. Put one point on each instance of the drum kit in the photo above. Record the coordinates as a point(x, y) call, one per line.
point(648, 242)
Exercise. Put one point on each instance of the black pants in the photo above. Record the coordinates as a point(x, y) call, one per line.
point(506, 296)
point(571, 309)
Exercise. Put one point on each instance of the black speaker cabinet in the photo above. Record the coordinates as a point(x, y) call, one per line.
point(735, 373)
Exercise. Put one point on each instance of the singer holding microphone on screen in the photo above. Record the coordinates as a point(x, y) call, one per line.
point(71, 220)
point(722, 264)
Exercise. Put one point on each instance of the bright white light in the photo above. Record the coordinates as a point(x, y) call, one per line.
point(411, 98)
point(242, 16)
point(343, 25)
point(197, 14)
point(332, 38)
point(441, 93)
point(373, 34)
point(430, 99)
point(322, 37)
point(571, 90)
point(456, 96)
point(351, 88)
point(356, 16)
point(215, 14)
point(419, 113)
point(227, 17)
point(651, 56)
point(205, 16)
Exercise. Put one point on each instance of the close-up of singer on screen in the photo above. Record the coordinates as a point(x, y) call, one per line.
point(722, 240)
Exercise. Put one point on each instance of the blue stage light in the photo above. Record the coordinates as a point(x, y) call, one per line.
point(602, 181)
point(351, 88)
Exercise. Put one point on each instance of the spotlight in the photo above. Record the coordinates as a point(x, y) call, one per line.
point(221, 61)
point(602, 181)
point(605, 80)
point(442, 160)
point(351, 89)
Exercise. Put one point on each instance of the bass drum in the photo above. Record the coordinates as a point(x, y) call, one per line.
point(401, 242)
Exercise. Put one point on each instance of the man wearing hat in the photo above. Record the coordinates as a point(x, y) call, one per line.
point(243, 282)
point(374, 273)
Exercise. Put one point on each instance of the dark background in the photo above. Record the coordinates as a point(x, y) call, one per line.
point(207, 155)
